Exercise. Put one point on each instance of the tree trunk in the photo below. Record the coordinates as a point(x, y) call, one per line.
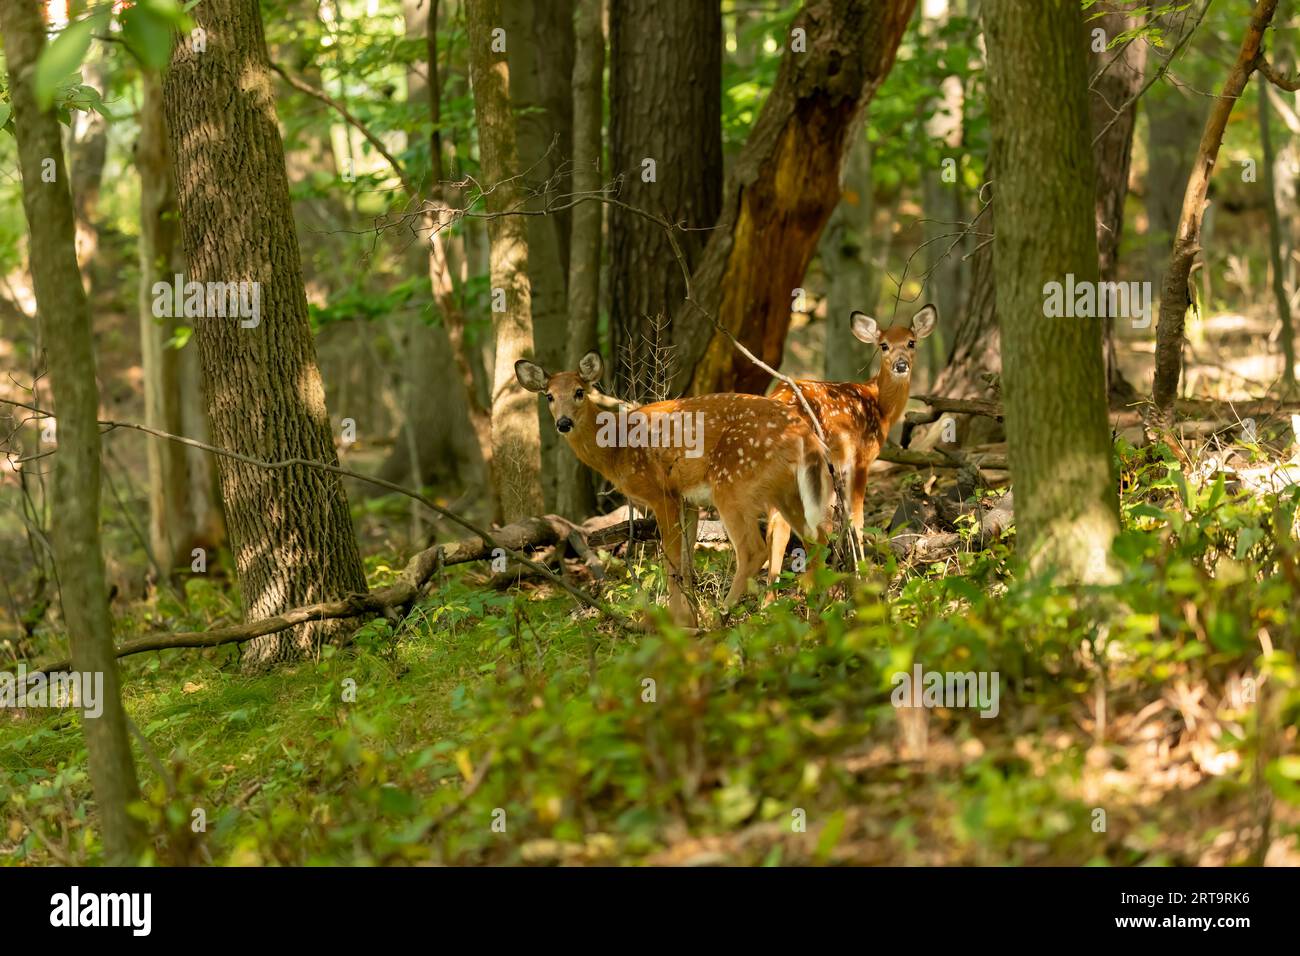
point(1286, 164)
point(205, 481)
point(665, 126)
point(541, 73)
point(1054, 385)
point(437, 438)
point(1175, 116)
point(290, 529)
point(65, 317)
point(516, 438)
point(89, 149)
point(171, 517)
point(184, 490)
point(975, 360)
point(1119, 73)
point(783, 187)
point(1174, 297)
point(852, 280)
point(944, 203)
point(974, 367)
point(575, 489)
point(1276, 241)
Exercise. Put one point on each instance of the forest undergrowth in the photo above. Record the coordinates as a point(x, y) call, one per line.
point(1151, 721)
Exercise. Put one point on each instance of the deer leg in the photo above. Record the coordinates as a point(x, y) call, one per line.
point(778, 537)
point(668, 515)
point(748, 544)
point(858, 495)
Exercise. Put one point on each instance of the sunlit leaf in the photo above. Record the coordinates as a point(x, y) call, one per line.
point(63, 57)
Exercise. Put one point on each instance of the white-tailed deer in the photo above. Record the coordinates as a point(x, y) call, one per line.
point(856, 416)
point(748, 455)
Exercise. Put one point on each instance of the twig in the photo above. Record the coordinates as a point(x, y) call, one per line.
point(1160, 71)
point(304, 87)
point(1270, 73)
point(578, 593)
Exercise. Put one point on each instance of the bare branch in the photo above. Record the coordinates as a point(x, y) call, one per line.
point(1160, 71)
point(583, 596)
point(1270, 73)
point(303, 86)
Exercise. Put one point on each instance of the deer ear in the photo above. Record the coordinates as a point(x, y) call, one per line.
point(923, 322)
point(531, 376)
point(590, 367)
point(864, 328)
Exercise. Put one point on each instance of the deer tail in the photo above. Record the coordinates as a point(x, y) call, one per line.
point(816, 486)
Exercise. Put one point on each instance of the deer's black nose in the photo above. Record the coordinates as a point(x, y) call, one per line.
point(564, 424)
point(900, 368)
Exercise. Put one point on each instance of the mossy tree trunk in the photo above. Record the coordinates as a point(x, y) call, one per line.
point(65, 317)
point(1054, 384)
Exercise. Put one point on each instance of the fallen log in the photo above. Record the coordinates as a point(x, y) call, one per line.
point(645, 529)
point(1224, 410)
point(517, 537)
point(923, 545)
point(941, 459)
point(962, 406)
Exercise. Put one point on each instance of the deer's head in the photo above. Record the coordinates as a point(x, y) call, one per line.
point(898, 344)
point(567, 393)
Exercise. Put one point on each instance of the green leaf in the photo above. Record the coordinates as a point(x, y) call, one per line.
point(1216, 493)
point(5, 111)
point(148, 34)
point(63, 57)
point(830, 836)
point(1146, 510)
point(1180, 482)
point(1247, 538)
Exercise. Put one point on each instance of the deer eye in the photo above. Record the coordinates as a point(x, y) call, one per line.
point(911, 343)
point(550, 397)
point(884, 346)
point(577, 396)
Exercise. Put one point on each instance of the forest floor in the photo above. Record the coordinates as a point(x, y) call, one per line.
point(1149, 722)
point(502, 725)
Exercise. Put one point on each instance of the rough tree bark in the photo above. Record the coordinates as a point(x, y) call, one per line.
point(665, 104)
point(541, 71)
point(1174, 297)
point(65, 316)
point(975, 359)
point(783, 187)
point(1054, 387)
point(184, 511)
point(1119, 72)
point(291, 532)
point(516, 438)
point(575, 491)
